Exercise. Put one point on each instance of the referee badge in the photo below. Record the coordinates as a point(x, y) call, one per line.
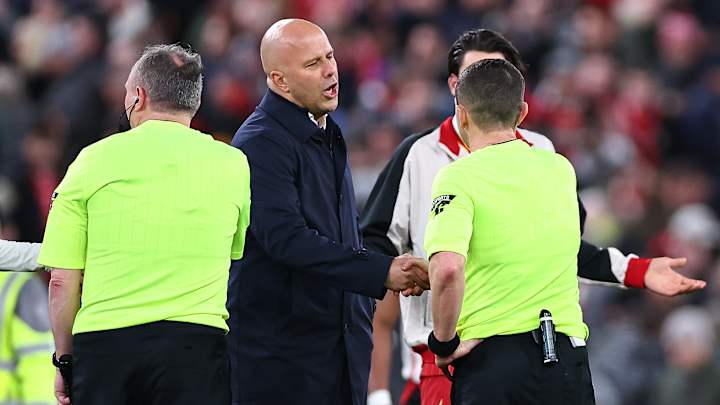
point(53, 197)
point(439, 203)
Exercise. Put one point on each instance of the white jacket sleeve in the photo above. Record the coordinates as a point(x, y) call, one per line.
point(19, 256)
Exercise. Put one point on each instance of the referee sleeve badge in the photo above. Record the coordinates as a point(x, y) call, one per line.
point(439, 203)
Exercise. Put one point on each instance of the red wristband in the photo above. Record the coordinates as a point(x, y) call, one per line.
point(635, 274)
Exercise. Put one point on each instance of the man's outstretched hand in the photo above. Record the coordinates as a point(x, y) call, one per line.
point(661, 278)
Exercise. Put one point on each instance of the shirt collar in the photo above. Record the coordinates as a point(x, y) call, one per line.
point(291, 116)
point(450, 138)
point(455, 124)
point(320, 122)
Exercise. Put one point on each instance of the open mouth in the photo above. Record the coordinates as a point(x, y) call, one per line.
point(331, 91)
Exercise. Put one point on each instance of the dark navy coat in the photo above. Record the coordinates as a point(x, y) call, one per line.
point(300, 298)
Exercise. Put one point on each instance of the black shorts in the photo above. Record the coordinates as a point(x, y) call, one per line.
point(508, 370)
point(168, 363)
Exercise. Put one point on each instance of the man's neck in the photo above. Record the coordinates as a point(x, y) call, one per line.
point(286, 95)
point(183, 119)
point(481, 139)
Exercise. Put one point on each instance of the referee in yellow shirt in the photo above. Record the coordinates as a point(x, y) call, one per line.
point(151, 217)
point(503, 238)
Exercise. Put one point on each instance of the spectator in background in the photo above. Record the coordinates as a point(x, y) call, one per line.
point(78, 66)
point(16, 116)
point(35, 181)
point(689, 338)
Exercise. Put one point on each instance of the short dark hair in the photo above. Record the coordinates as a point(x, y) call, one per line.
point(172, 77)
point(492, 91)
point(484, 41)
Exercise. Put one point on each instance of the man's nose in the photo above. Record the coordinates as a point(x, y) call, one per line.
point(330, 70)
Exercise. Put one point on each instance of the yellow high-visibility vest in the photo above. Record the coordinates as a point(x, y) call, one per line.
point(26, 345)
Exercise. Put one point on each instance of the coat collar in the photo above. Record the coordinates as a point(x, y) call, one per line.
point(293, 117)
point(452, 142)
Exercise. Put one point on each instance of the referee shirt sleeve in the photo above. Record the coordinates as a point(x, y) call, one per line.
point(65, 241)
point(238, 245)
point(451, 215)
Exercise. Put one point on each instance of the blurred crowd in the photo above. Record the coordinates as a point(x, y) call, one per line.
point(628, 90)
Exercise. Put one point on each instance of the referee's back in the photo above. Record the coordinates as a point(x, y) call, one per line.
point(525, 234)
point(503, 238)
point(163, 204)
point(141, 234)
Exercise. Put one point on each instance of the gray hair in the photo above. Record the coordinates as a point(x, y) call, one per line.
point(172, 77)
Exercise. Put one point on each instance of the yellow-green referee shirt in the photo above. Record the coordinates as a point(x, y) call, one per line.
point(153, 215)
point(512, 211)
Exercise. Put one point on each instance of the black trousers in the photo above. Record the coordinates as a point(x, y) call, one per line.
point(508, 370)
point(161, 363)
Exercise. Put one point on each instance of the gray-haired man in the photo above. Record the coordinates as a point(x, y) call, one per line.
point(152, 217)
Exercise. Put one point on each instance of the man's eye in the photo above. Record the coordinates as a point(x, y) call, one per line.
point(313, 63)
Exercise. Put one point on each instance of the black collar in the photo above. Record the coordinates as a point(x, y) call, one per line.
point(293, 117)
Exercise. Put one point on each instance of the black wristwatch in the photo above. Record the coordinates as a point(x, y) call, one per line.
point(64, 361)
point(443, 349)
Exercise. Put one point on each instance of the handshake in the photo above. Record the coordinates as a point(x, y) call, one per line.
point(408, 275)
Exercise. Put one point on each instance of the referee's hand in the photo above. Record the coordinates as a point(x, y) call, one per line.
point(463, 349)
point(60, 393)
point(661, 278)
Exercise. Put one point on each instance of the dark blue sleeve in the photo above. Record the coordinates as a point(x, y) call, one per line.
point(278, 225)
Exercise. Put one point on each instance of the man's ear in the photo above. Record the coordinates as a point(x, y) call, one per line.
point(452, 83)
point(523, 113)
point(278, 80)
point(463, 117)
point(142, 99)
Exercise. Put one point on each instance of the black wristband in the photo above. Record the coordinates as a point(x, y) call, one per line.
point(443, 349)
point(64, 361)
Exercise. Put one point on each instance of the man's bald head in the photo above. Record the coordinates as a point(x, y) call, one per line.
point(300, 65)
point(282, 38)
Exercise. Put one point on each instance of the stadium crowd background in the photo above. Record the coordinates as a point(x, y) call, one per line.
point(628, 90)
